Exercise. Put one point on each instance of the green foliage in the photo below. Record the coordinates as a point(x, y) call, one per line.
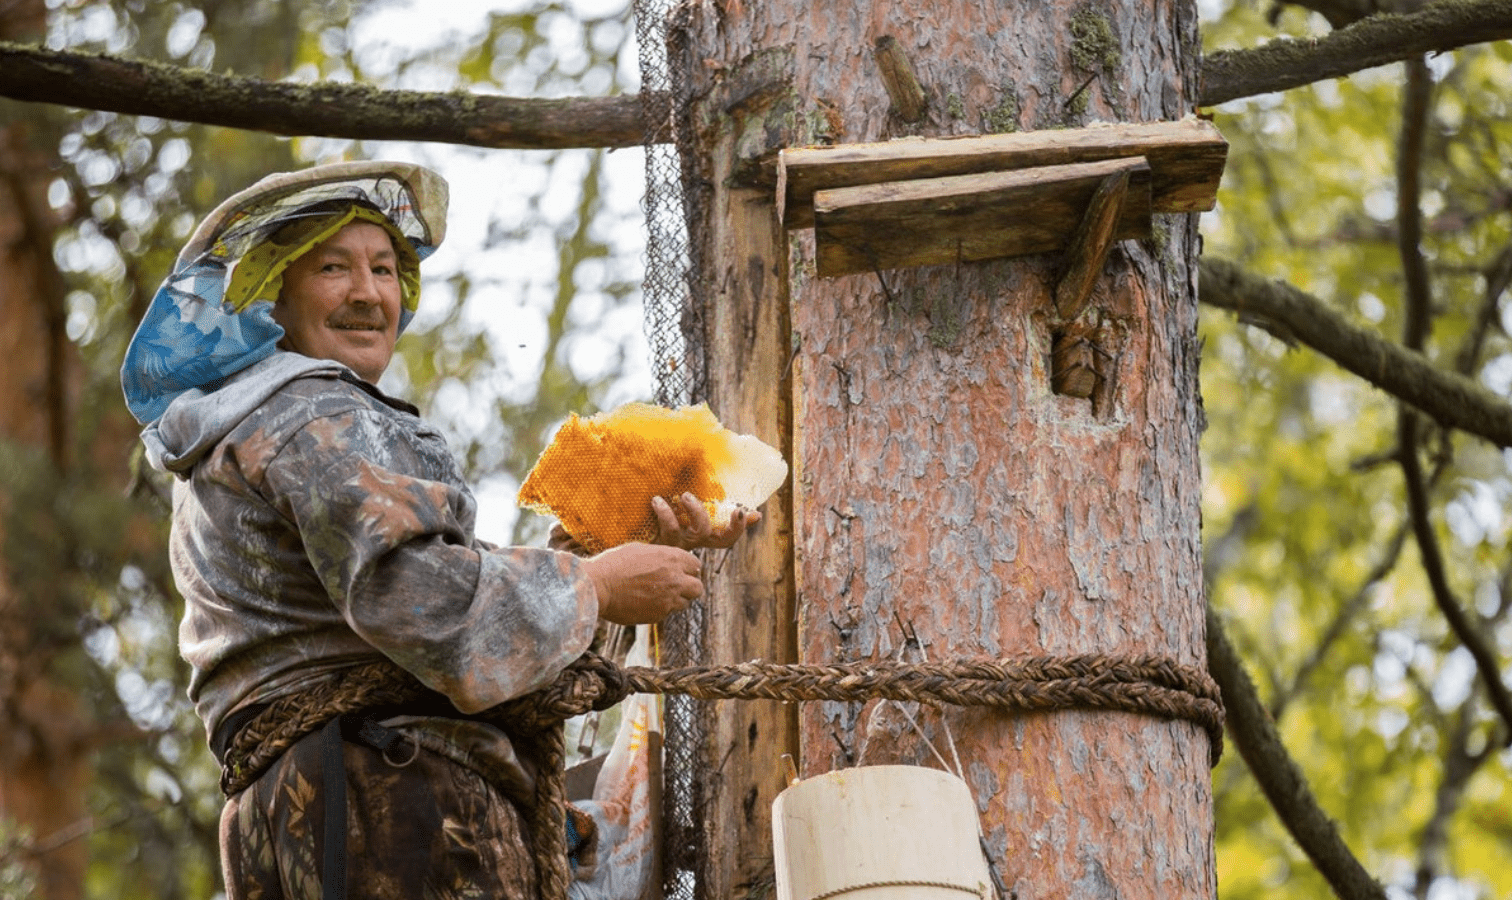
point(1302, 494)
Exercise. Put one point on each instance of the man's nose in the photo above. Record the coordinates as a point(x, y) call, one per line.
point(364, 287)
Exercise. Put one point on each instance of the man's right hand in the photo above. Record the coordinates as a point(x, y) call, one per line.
point(642, 583)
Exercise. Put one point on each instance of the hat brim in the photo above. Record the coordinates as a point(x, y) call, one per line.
point(412, 196)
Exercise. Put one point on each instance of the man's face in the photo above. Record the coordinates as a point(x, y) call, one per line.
point(341, 300)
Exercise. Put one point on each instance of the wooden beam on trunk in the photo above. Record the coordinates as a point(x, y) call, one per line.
point(750, 609)
point(968, 218)
point(1186, 160)
point(1091, 243)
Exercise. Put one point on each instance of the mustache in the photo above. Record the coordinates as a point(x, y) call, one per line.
point(376, 322)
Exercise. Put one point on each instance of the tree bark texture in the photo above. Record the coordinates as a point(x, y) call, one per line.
point(941, 490)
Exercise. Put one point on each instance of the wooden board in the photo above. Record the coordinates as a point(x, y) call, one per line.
point(964, 218)
point(1186, 160)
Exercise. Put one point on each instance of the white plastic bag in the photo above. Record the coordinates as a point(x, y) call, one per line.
point(626, 802)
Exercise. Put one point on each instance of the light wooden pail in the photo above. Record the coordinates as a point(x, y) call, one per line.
point(878, 833)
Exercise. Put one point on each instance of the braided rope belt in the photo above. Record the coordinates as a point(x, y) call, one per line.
point(1148, 685)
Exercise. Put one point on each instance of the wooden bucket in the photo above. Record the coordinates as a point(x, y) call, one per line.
point(878, 833)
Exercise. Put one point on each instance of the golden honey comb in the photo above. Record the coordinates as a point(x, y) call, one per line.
point(599, 474)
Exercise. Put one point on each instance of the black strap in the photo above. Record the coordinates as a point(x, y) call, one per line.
point(363, 729)
point(333, 766)
point(229, 727)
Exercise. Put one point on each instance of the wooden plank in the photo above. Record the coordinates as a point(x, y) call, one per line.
point(1089, 247)
point(1186, 159)
point(750, 610)
point(964, 218)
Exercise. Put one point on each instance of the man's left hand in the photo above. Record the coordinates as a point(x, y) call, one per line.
point(699, 531)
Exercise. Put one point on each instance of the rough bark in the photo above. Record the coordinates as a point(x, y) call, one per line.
point(941, 490)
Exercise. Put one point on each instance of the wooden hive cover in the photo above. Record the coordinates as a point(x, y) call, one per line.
point(1186, 160)
point(965, 218)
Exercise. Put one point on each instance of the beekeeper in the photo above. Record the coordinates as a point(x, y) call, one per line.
point(320, 524)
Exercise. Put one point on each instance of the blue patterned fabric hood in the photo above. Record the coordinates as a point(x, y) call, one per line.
point(193, 339)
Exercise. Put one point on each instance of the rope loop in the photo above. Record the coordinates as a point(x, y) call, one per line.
point(590, 682)
point(1149, 685)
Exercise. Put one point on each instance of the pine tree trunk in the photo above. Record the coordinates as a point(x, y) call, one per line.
point(940, 487)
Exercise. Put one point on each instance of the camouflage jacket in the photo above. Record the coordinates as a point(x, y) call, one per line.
point(318, 523)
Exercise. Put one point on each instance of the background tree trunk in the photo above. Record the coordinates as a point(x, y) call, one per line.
point(940, 488)
point(44, 749)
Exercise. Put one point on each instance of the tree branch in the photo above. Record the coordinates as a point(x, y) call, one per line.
point(1340, 13)
point(1278, 775)
point(1460, 765)
point(326, 109)
point(1469, 635)
point(1417, 313)
point(1449, 398)
point(363, 112)
point(1340, 623)
point(1416, 324)
point(1377, 40)
point(1498, 279)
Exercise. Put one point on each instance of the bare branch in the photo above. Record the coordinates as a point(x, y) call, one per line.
point(1374, 41)
point(1278, 774)
point(327, 109)
point(1340, 623)
point(1449, 398)
point(1469, 634)
point(1417, 320)
point(1340, 13)
point(1460, 764)
point(1498, 279)
point(1416, 325)
point(135, 87)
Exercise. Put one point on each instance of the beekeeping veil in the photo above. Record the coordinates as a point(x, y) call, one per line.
point(213, 316)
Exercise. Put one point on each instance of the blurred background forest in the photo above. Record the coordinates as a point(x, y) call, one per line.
point(532, 310)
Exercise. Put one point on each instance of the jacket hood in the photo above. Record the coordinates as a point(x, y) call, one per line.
point(196, 420)
point(193, 338)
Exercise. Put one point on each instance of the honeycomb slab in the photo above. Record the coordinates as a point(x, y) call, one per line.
point(599, 473)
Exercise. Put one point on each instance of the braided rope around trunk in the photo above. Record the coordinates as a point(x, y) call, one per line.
point(1149, 685)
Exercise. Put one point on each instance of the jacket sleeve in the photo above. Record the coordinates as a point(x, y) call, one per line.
point(396, 553)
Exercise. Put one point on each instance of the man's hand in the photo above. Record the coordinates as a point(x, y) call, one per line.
point(642, 583)
point(699, 532)
point(559, 539)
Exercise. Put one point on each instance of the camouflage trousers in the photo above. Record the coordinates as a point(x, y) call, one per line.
point(431, 829)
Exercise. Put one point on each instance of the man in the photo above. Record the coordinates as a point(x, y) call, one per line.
point(320, 525)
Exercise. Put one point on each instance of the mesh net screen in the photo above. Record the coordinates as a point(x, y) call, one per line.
point(679, 366)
